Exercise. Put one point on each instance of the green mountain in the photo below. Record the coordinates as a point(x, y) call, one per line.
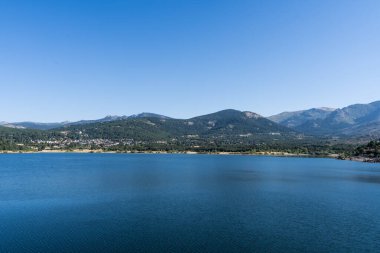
point(222, 125)
point(235, 123)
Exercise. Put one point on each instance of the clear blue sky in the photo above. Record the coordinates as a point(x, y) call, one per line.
point(84, 59)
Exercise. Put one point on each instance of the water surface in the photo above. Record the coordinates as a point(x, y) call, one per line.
point(187, 203)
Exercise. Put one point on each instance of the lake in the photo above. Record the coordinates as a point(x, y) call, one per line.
point(187, 203)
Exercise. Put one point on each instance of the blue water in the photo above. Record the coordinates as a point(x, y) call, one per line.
point(187, 203)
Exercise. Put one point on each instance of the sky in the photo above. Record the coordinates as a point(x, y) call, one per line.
point(85, 59)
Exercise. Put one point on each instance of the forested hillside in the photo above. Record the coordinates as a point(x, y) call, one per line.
point(224, 131)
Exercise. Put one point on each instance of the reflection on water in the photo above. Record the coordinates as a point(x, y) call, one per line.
point(183, 203)
point(369, 178)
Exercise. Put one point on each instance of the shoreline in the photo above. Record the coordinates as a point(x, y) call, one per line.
point(273, 154)
point(88, 151)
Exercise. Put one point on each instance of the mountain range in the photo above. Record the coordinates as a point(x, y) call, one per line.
point(358, 120)
point(48, 126)
point(224, 125)
point(227, 130)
